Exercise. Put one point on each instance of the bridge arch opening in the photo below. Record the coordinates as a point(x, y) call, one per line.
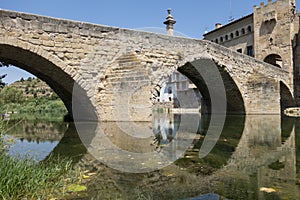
point(274, 59)
point(196, 82)
point(53, 75)
point(286, 97)
point(179, 92)
point(234, 99)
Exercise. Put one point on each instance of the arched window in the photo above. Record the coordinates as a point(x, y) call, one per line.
point(226, 37)
point(216, 41)
point(237, 33)
point(274, 59)
point(249, 29)
point(243, 31)
point(231, 35)
point(221, 39)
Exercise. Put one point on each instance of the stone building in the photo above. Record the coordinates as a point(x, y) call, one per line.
point(180, 91)
point(270, 33)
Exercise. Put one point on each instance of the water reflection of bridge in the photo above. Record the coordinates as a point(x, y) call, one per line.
point(264, 154)
point(264, 151)
point(267, 151)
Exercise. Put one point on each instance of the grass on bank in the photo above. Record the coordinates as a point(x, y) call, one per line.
point(26, 179)
point(53, 178)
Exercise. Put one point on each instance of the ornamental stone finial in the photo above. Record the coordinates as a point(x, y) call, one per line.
point(170, 23)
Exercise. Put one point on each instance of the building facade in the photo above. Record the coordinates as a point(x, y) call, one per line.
point(180, 91)
point(270, 34)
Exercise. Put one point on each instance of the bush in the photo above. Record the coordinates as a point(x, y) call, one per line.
point(11, 95)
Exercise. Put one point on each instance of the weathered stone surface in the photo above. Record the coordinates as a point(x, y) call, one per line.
point(118, 70)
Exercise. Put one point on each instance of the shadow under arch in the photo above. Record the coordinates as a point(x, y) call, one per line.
point(274, 59)
point(70, 146)
point(286, 97)
point(234, 99)
point(61, 82)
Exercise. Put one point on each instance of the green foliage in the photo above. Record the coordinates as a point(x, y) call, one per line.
point(25, 179)
point(2, 84)
point(11, 95)
point(29, 97)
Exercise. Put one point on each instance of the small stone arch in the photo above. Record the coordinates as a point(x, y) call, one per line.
point(274, 59)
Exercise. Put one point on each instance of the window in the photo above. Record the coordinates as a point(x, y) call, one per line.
point(216, 41)
point(243, 31)
point(249, 29)
point(237, 33)
point(231, 36)
point(240, 50)
point(250, 51)
point(226, 37)
point(221, 39)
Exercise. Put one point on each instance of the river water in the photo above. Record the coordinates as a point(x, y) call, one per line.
point(174, 156)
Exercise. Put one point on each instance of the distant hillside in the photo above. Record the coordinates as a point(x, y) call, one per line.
point(33, 87)
point(31, 98)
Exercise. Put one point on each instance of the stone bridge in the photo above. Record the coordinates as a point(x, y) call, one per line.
point(114, 74)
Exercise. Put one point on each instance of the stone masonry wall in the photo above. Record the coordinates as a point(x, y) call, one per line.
point(119, 69)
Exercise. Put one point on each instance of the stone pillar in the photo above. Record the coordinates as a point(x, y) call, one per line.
point(170, 23)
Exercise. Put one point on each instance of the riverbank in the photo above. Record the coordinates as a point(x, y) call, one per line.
point(53, 178)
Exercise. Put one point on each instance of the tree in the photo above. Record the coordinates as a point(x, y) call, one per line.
point(11, 95)
point(3, 64)
point(2, 84)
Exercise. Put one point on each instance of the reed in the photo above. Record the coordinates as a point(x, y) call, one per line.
point(26, 179)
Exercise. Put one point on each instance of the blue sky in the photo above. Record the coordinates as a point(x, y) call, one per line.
point(193, 17)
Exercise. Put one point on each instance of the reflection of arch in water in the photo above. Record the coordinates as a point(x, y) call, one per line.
point(233, 129)
point(51, 70)
point(260, 142)
point(70, 146)
point(165, 126)
point(41, 140)
point(274, 59)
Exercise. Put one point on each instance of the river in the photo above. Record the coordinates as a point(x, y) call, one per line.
point(253, 157)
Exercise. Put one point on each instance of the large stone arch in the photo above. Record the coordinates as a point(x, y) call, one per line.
point(195, 68)
point(51, 70)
